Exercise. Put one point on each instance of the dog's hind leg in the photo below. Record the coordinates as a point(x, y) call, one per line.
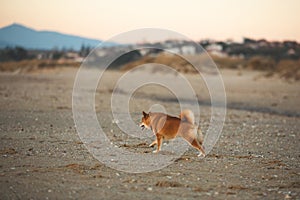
point(190, 138)
point(196, 145)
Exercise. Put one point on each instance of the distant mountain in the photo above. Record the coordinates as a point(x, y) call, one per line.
point(19, 35)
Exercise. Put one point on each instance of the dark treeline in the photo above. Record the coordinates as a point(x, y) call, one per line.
point(15, 54)
point(250, 48)
point(19, 53)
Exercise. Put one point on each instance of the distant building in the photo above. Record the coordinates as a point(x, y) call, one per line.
point(175, 50)
point(216, 49)
point(291, 52)
point(188, 50)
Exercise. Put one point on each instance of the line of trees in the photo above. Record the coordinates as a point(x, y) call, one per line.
point(250, 48)
point(19, 53)
point(15, 54)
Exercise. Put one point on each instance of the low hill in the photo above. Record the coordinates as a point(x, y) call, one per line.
point(19, 35)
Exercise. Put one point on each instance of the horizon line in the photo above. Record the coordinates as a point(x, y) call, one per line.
point(145, 39)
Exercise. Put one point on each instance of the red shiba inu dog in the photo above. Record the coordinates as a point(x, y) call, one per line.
point(168, 127)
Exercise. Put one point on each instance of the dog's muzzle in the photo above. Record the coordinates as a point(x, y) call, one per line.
point(142, 126)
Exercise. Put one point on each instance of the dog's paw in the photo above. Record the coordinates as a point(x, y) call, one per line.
point(155, 151)
point(201, 155)
point(151, 145)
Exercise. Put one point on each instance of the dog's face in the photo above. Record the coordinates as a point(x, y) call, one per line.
point(145, 121)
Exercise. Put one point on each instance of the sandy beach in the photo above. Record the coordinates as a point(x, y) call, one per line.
point(42, 156)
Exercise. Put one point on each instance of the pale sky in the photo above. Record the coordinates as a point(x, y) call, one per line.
point(197, 19)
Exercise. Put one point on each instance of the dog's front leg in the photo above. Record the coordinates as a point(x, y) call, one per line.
point(153, 143)
point(159, 140)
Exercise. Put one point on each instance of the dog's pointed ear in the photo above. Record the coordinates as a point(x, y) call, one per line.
point(145, 114)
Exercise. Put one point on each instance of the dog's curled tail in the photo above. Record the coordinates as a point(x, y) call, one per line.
point(187, 116)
